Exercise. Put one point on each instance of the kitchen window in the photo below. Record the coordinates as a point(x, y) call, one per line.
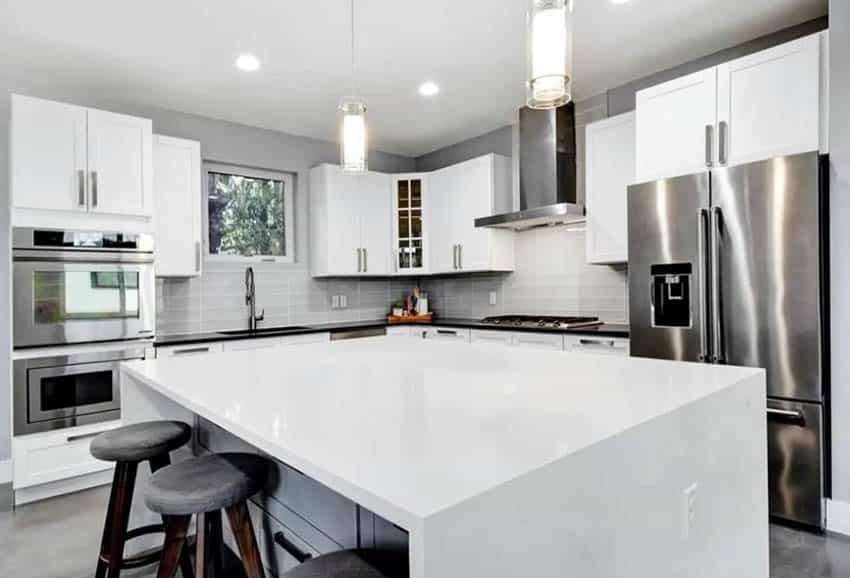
point(249, 214)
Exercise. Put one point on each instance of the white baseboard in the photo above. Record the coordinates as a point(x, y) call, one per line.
point(5, 471)
point(59, 487)
point(838, 517)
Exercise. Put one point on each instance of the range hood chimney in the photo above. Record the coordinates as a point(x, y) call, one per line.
point(547, 172)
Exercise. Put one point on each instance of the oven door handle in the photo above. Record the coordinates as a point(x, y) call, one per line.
point(786, 416)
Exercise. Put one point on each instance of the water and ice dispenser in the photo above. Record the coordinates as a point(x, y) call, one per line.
point(670, 294)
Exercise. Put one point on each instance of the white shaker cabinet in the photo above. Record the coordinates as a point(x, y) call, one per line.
point(763, 105)
point(177, 196)
point(769, 103)
point(458, 194)
point(610, 169)
point(410, 223)
point(70, 158)
point(48, 155)
point(350, 227)
point(675, 125)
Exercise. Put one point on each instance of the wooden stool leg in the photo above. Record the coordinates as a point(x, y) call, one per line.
point(157, 463)
point(243, 531)
point(175, 544)
point(107, 526)
point(216, 540)
point(118, 516)
point(201, 545)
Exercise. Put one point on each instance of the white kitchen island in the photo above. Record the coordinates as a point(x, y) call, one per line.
point(501, 461)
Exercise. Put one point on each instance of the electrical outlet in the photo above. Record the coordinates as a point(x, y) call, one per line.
point(492, 297)
point(335, 302)
point(689, 504)
point(343, 301)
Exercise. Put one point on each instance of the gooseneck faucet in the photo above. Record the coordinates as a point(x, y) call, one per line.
point(251, 300)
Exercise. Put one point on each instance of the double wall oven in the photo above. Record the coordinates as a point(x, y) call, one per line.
point(73, 288)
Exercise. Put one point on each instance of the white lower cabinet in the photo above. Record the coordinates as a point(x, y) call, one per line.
point(400, 330)
point(485, 336)
point(47, 457)
point(190, 349)
point(266, 342)
point(594, 344)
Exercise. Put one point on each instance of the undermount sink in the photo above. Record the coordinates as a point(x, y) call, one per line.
point(262, 331)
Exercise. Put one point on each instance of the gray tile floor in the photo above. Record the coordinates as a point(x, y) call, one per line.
point(59, 538)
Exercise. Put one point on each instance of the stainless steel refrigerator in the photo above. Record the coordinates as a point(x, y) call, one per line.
point(731, 266)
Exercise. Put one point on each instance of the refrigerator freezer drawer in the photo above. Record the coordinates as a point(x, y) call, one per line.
point(794, 445)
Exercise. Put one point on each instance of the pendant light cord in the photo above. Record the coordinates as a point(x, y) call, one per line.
point(353, 65)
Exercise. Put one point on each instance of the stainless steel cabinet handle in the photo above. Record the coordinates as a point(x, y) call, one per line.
point(447, 332)
point(291, 548)
point(716, 298)
point(723, 142)
point(365, 260)
point(359, 259)
point(709, 145)
point(197, 255)
point(702, 275)
point(81, 188)
point(93, 188)
point(606, 343)
point(79, 437)
point(454, 256)
point(460, 256)
point(192, 350)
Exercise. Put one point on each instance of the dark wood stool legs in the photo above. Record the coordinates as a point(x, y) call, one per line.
point(111, 560)
point(209, 545)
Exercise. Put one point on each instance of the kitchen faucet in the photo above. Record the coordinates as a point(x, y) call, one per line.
point(251, 300)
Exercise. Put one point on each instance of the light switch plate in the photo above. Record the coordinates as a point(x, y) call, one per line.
point(343, 301)
point(335, 302)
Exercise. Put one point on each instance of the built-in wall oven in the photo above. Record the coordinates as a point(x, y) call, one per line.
point(68, 390)
point(81, 287)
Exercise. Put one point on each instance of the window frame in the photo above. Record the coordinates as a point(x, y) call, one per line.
point(288, 180)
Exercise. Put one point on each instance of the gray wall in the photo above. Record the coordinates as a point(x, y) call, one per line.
point(180, 305)
point(839, 71)
point(499, 141)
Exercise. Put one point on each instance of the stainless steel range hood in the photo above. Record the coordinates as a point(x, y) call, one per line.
point(547, 172)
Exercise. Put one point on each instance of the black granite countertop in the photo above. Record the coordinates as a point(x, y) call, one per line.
point(607, 330)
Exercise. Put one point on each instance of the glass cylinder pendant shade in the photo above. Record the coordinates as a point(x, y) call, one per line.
point(550, 53)
point(354, 148)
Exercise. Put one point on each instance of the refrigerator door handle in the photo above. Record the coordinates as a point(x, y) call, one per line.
point(716, 294)
point(785, 415)
point(709, 145)
point(702, 235)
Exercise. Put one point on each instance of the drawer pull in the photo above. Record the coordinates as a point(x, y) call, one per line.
point(80, 437)
point(446, 332)
point(597, 342)
point(291, 548)
point(193, 350)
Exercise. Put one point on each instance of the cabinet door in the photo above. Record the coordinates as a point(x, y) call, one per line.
point(343, 221)
point(375, 225)
point(598, 345)
point(675, 126)
point(177, 196)
point(120, 163)
point(442, 211)
point(248, 344)
point(409, 218)
point(473, 185)
point(610, 169)
point(539, 341)
point(48, 154)
point(188, 350)
point(769, 103)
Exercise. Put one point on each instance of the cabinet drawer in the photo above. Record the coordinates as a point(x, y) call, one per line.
point(281, 549)
point(332, 514)
point(48, 457)
point(399, 331)
point(186, 350)
point(442, 333)
point(491, 337)
point(539, 341)
point(306, 338)
point(245, 344)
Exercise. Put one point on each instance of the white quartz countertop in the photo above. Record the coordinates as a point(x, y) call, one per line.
point(408, 428)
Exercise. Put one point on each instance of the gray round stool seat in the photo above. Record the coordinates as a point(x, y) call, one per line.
point(362, 563)
point(140, 441)
point(205, 484)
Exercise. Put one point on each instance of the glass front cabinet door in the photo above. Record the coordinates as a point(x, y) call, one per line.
point(409, 194)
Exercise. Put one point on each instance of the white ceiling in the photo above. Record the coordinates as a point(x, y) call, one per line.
point(179, 54)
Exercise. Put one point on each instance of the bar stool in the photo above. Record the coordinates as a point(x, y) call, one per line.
point(206, 485)
point(128, 446)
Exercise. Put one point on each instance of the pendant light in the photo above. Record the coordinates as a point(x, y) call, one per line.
point(354, 147)
point(550, 53)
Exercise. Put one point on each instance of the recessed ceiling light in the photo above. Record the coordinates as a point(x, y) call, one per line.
point(248, 62)
point(428, 88)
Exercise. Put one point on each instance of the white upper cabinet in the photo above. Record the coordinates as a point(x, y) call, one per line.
point(70, 158)
point(675, 124)
point(767, 104)
point(458, 194)
point(48, 155)
point(410, 220)
point(610, 169)
point(350, 227)
point(177, 200)
point(120, 163)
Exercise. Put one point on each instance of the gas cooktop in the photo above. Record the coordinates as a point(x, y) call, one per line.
point(542, 321)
